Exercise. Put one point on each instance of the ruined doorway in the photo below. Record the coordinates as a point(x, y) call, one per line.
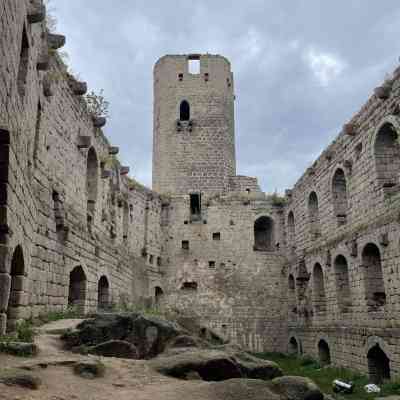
point(387, 156)
point(263, 234)
point(342, 284)
point(103, 294)
point(17, 286)
point(292, 307)
point(92, 178)
point(378, 365)
point(77, 289)
point(293, 348)
point(319, 297)
point(374, 285)
point(158, 294)
point(324, 353)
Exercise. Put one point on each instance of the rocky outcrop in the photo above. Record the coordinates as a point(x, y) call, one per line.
point(149, 335)
point(214, 365)
point(296, 388)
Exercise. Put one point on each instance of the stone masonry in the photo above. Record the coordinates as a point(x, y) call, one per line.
point(315, 272)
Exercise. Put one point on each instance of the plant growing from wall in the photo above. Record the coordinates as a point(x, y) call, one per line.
point(96, 104)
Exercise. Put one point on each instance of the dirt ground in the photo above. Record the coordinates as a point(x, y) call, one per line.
point(123, 379)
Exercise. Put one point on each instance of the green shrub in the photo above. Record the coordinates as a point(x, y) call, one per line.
point(25, 332)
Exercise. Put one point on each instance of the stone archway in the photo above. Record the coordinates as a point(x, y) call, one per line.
point(324, 353)
point(103, 294)
point(17, 286)
point(378, 365)
point(77, 289)
point(293, 346)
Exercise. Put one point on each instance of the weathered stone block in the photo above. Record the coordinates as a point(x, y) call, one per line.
point(78, 88)
point(383, 92)
point(19, 282)
point(113, 150)
point(99, 122)
point(36, 12)
point(350, 129)
point(18, 298)
point(5, 259)
point(55, 41)
point(84, 142)
point(3, 323)
point(124, 170)
point(5, 287)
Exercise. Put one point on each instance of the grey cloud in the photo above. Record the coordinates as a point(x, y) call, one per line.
point(301, 69)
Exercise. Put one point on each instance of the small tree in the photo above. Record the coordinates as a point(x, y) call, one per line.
point(96, 104)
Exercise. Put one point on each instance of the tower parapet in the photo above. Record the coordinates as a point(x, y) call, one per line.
point(194, 140)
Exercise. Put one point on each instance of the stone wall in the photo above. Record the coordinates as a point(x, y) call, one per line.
point(66, 203)
point(218, 274)
point(342, 229)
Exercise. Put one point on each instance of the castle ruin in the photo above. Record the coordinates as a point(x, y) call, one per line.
point(315, 273)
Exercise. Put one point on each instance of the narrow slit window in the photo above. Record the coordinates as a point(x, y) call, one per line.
point(37, 134)
point(185, 244)
point(23, 63)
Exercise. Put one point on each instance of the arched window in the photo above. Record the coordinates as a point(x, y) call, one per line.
point(291, 233)
point(387, 156)
point(263, 234)
point(374, 285)
point(4, 165)
point(184, 111)
point(91, 184)
point(313, 214)
point(339, 192)
point(77, 289)
point(292, 307)
point(378, 365)
point(23, 63)
point(103, 293)
point(17, 285)
point(319, 290)
point(324, 353)
point(342, 284)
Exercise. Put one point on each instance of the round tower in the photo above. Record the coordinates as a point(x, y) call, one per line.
point(194, 139)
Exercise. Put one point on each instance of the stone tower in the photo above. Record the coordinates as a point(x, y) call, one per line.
point(194, 140)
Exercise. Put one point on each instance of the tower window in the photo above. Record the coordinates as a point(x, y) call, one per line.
point(195, 206)
point(185, 244)
point(23, 63)
point(216, 236)
point(194, 66)
point(184, 111)
point(211, 264)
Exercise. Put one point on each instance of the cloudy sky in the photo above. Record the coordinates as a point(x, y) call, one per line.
point(302, 68)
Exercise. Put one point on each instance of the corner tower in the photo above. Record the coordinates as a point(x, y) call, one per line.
point(194, 139)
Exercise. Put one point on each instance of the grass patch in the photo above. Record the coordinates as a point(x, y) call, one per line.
point(323, 377)
point(24, 333)
point(51, 316)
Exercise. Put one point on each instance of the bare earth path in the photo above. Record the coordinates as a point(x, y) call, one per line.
point(123, 380)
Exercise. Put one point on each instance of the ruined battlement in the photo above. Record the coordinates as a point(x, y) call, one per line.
point(313, 273)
